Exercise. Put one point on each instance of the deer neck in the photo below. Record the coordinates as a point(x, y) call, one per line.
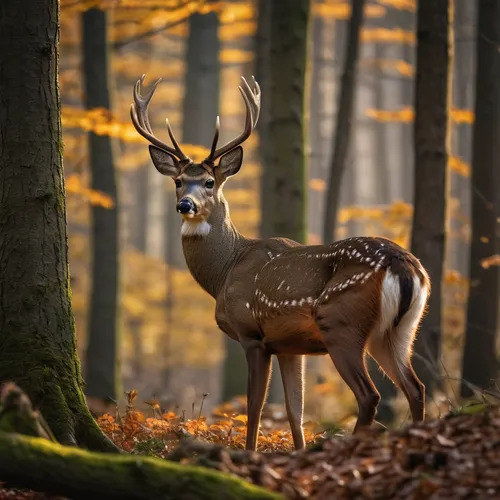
point(211, 248)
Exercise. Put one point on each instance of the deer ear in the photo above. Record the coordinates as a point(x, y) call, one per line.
point(230, 163)
point(164, 162)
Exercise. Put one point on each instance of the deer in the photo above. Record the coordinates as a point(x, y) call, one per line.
point(352, 298)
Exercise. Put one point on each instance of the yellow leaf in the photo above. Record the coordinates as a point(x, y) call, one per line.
point(493, 260)
point(317, 185)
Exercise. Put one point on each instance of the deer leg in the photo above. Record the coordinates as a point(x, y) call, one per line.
point(346, 345)
point(392, 352)
point(292, 373)
point(259, 371)
point(350, 363)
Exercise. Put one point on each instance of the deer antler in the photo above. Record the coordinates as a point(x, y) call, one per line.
point(252, 105)
point(140, 119)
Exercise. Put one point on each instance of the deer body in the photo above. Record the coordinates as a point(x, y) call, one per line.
point(278, 297)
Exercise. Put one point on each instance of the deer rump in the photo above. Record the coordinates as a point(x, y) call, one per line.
point(341, 294)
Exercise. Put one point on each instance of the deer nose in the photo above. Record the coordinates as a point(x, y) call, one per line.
point(186, 206)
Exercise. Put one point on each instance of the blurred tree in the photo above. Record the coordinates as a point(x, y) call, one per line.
point(102, 374)
point(479, 365)
point(37, 339)
point(200, 107)
point(344, 118)
point(432, 150)
point(463, 98)
point(283, 65)
point(263, 76)
point(385, 412)
point(262, 45)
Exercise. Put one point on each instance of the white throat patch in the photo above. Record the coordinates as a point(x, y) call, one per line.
point(195, 228)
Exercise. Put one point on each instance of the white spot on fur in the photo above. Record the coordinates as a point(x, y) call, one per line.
point(195, 228)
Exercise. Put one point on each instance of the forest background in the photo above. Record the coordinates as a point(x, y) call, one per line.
point(142, 322)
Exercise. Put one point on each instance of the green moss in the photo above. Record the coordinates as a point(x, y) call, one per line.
point(80, 474)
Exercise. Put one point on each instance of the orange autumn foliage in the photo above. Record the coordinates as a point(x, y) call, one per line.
point(96, 198)
point(161, 433)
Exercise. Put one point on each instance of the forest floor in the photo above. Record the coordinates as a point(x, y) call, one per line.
point(454, 457)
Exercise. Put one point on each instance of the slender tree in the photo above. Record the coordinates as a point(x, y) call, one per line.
point(101, 362)
point(385, 412)
point(200, 107)
point(432, 149)
point(463, 98)
point(37, 332)
point(286, 169)
point(480, 365)
point(282, 67)
point(345, 109)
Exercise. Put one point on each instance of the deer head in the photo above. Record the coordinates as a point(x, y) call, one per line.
point(198, 185)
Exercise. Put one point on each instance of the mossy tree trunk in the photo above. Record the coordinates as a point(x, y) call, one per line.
point(37, 332)
point(432, 149)
point(479, 365)
point(101, 363)
point(81, 475)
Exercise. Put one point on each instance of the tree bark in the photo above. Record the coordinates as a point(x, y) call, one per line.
point(80, 474)
point(285, 140)
point(432, 147)
point(102, 373)
point(281, 50)
point(345, 112)
point(262, 74)
point(479, 365)
point(37, 332)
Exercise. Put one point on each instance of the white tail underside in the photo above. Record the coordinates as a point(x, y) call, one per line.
point(401, 337)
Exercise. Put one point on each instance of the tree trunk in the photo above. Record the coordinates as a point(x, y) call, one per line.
point(199, 110)
point(385, 386)
point(463, 97)
point(345, 110)
point(37, 339)
point(102, 373)
point(285, 140)
point(479, 365)
point(432, 146)
point(80, 474)
point(282, 67)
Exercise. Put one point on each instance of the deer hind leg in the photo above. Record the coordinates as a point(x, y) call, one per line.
point(259, 372)
point(292, 374)
point(346, 340)
point(392, 350)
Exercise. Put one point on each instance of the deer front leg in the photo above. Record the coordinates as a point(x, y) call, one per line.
point(259, 371)
point(292, 373)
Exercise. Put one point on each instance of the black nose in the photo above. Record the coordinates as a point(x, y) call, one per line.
point(186, 206)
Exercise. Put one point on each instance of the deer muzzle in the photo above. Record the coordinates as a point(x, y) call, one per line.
point(186, 206)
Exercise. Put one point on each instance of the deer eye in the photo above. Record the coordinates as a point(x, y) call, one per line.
point(210, 183)
point(178, 183)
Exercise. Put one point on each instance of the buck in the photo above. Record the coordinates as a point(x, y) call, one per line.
point(277, 297)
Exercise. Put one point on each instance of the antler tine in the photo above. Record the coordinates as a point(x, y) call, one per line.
point(172, 138)
point(216, 137)
point(142, 102)
point(253, 98)
point(252, 106)
point(140, 119)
